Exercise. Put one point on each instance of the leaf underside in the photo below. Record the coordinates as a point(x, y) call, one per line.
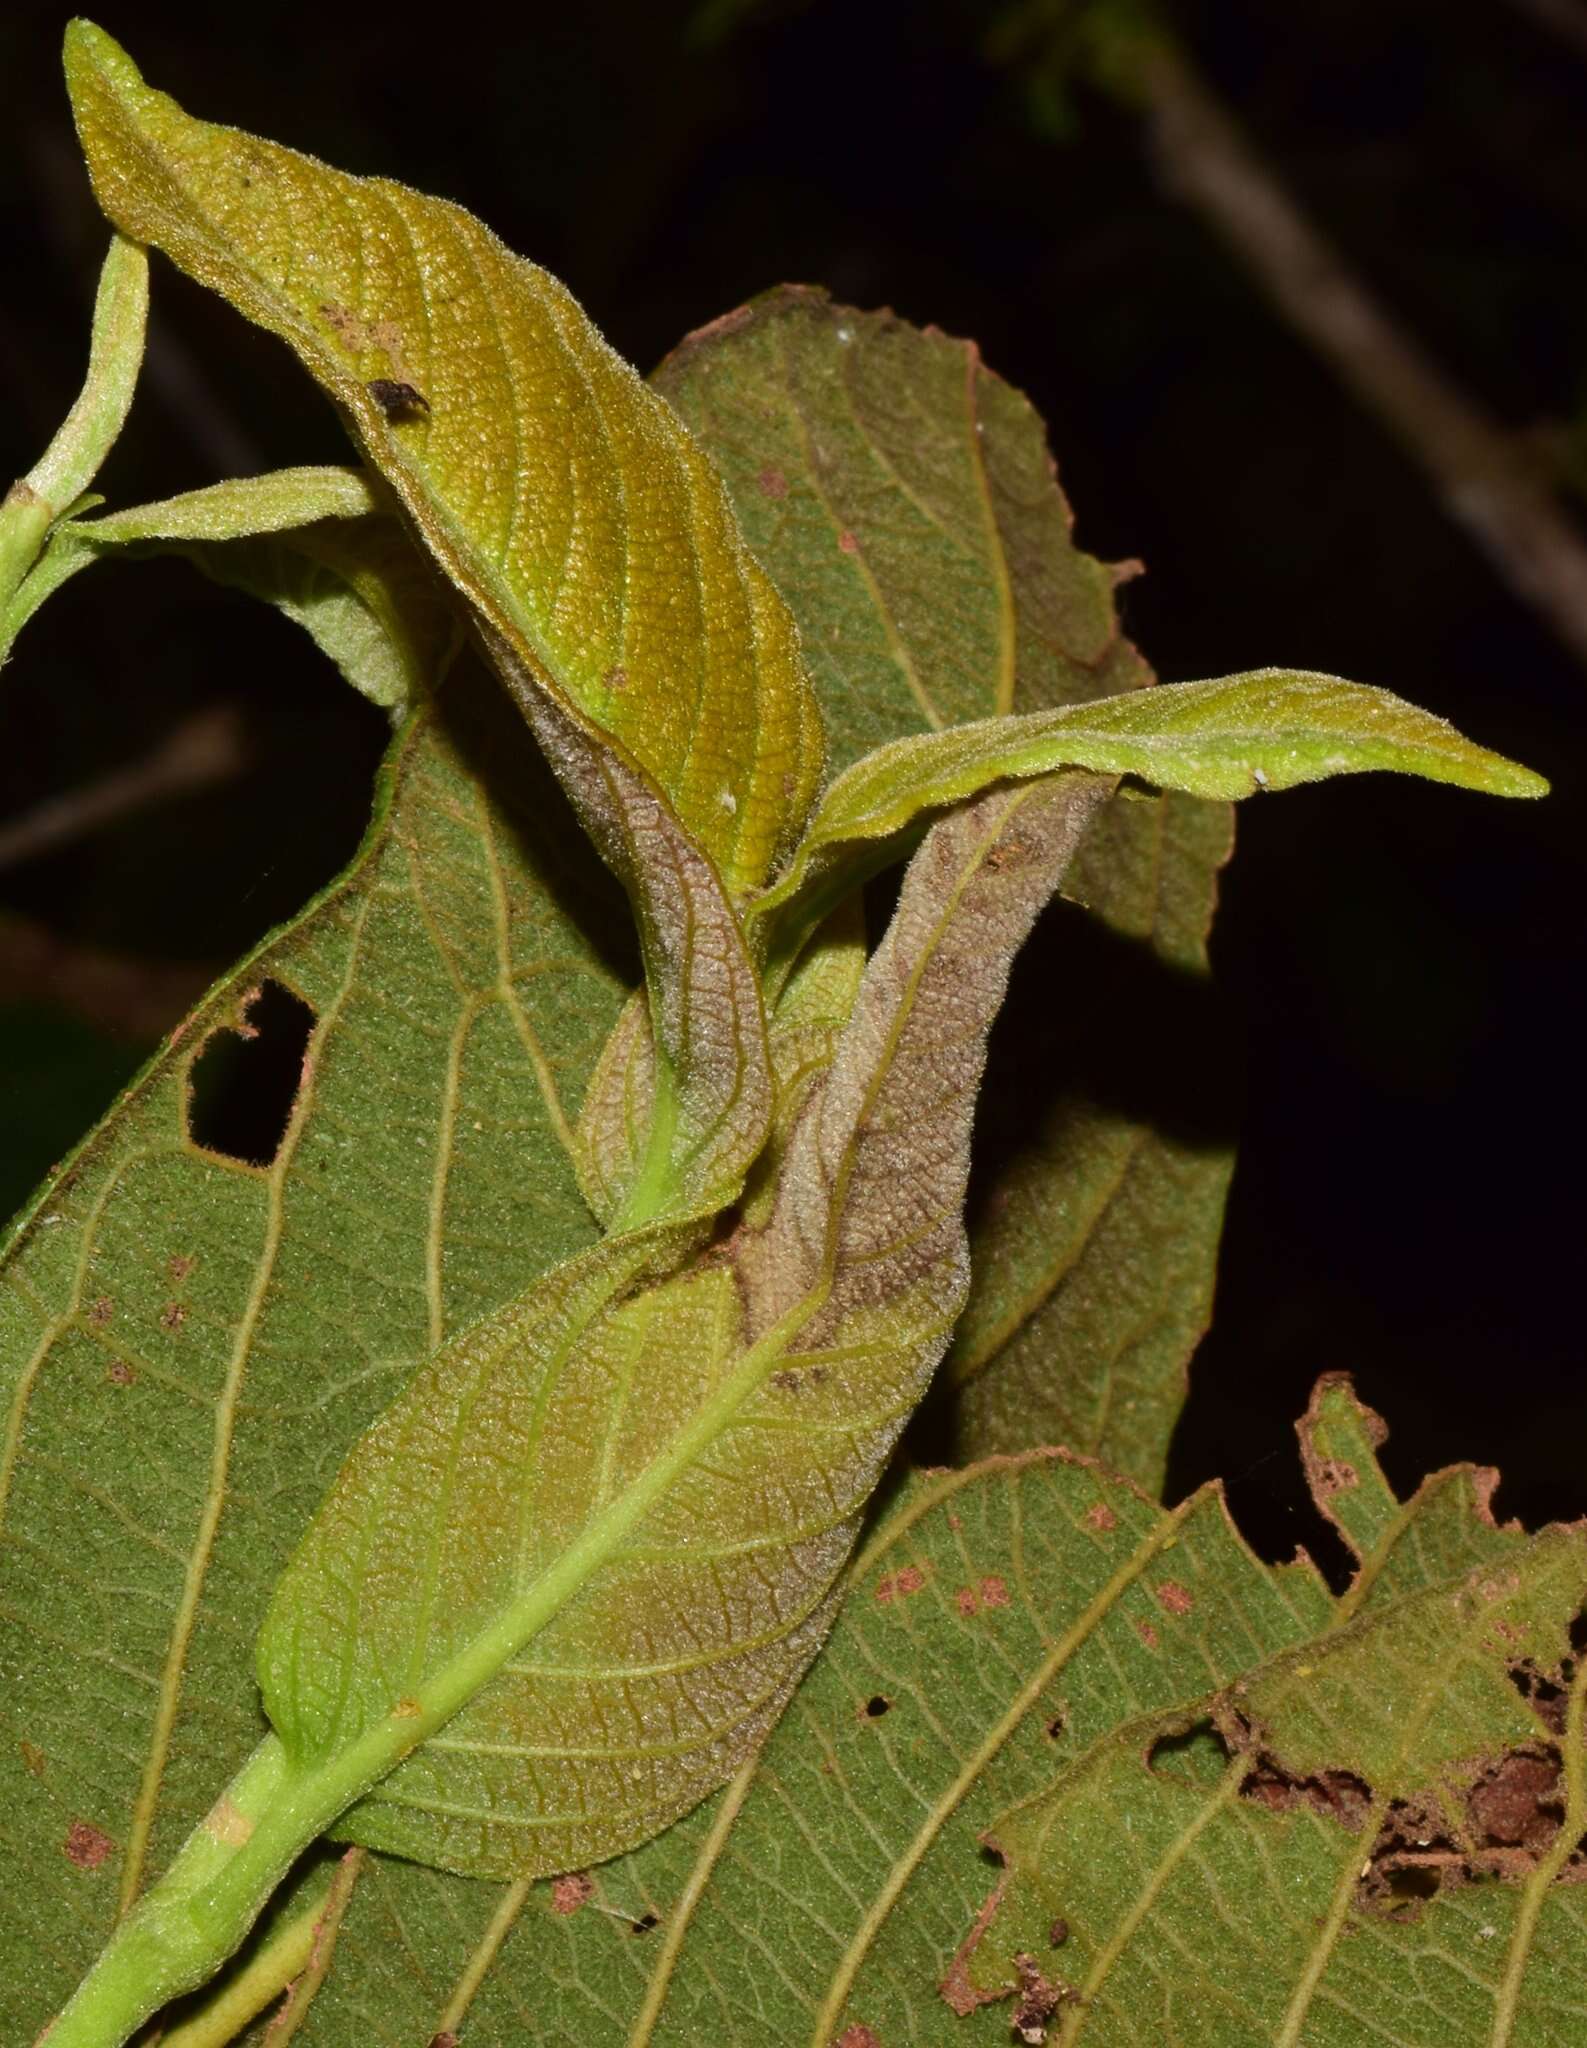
point(705, 1443)
point(1031, 1651)
point(191, 1342)
point(904, 499)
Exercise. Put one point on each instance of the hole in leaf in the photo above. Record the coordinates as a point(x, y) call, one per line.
point(1197, 1755)
point(245, 1080)
point(644, 1923)
point(1546, 1696)
point(1409, 1885)
point(877, 1705)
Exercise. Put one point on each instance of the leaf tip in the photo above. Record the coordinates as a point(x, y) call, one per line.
point(89, 48)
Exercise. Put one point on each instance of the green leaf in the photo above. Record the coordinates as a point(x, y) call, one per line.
point(314, 543)
point(190, 1343)
point(560, 496)
point(594, 1545)
point(904, 499)
point(70, 463)
point(1400, 1802)
point(584, 528)
point(1231, 737)
point(1015, 1635)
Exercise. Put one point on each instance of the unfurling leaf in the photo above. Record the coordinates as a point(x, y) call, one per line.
point(586, 1557)
point(905, 501)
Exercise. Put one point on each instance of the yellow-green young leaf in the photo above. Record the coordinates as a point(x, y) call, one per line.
point(313, 542)
point(586, 1557)
point(70, 463)
point(584, 528)
point(561, 496)
point(904, 499)
point(801, 1038)
point(1231, 737)
point(1008, 1626)
point(191, 1341)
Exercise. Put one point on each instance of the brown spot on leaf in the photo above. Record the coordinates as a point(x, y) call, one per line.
point(1334, 1475)
point(397, 398)
point(1058, 1934)
point(859, 2036)
point(119, 1373)
point(958, 1993)
point(966, 1602)
point(1337, 1795)
point(1039, 1999)
point(407, 1709)
point(956, 1522)
point(571, 1892)
point(994, 1591)
point(787, 1382)
point(1517, 1804)
point(1147, 1634)
point(86, 1846)
point(101, 1312)
point(899, 1585)
point(445, 2039)
point(616, 679)
point(181, 1265)
point(1174, 1598)
point(33, 1758)
point(773, 484)
point(1101, 1518)
point(173, 1315)
point(848, 543)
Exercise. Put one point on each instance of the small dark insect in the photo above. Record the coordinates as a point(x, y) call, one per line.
point(397, 401)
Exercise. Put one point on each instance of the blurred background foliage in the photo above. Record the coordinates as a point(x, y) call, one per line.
point(1402, 966)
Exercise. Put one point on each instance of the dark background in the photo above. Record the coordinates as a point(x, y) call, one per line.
point(1402, 965)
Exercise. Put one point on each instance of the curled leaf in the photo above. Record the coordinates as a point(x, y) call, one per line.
point(313, 542)
point(564, 499)
point(906, 501)
point(69, 465)
point(1231, 737)
point(573, 1574)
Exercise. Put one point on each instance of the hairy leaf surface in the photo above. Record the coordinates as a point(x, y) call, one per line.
point(59, 480)
point(905, 501)
point(588, 534)
point(313, 542)
point(1229, 737)
point(585, 1558)
point(1016, 1635)
point(557, 492)
point(190, 1342)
